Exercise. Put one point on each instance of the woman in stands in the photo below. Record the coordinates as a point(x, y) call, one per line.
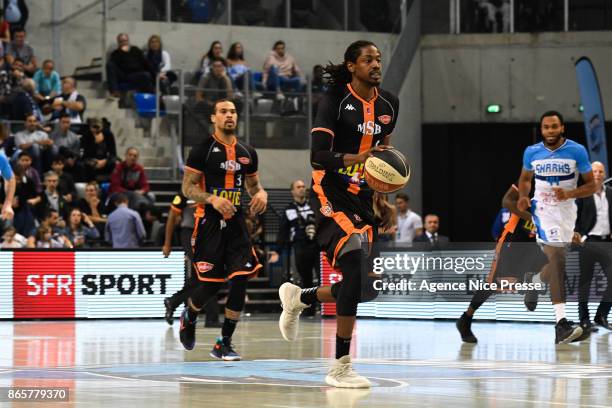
point(160, 61)
point(26, 197)
point(80, 230)
point(215, 52)
point(238, 69)
point(99, 151)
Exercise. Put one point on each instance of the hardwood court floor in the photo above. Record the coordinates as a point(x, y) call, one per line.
point(141, 363)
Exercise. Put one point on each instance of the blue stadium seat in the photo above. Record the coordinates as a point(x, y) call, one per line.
point(145, 105)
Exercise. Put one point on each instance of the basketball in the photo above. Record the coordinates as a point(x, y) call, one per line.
point(387, 171)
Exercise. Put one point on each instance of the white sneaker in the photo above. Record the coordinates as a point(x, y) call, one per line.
point(341, 375)
point(280, 96)
point(289, 295)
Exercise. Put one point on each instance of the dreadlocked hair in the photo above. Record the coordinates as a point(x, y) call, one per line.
point(339, 75)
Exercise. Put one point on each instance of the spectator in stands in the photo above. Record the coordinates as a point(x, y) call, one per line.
point(7, 142)
point(46, 239)
point(12, 239)
point(70, 102)
point(52, 220)
point(10, 85)
point(51, 199)
point(80, 230)
point(128, 65)
point(215, 52)
point(65, 185)
point(24, 102)
point(92, 205)
point(238, 69)
point(16, 13)
point(386, 233)
point(281, 72)
point(47, 82)
point(431, 238)
point(214, 86)
point(130, 179)
point(409, 223)
point(18, 48)
point(5, 33)
point(99, 151)
point(35, 142)
point(25, 161)
point(124, 228)
point(159, 60)
point(153, 225)
point(26, 198)
point(65, 140)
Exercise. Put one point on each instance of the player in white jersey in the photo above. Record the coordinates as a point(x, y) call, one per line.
point(555, 163)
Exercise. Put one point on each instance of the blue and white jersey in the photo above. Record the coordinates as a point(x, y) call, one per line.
point(5, 168)
point(556, 168)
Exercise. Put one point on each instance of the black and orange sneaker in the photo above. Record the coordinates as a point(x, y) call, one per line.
point(187, 331)
point(224, 351)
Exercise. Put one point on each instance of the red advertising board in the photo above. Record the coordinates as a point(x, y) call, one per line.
point(43, 285)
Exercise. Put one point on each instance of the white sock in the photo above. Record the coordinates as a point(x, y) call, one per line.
point(536, 278)
point(559, 311)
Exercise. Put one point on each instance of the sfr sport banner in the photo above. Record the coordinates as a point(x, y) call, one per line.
point(87, 284)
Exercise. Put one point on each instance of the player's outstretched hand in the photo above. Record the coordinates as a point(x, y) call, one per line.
point(259, 202)
point(577, 239)
point(223, 205)
point(7, 212)
point(560, 194)
point(523, 203)
point(166, 250)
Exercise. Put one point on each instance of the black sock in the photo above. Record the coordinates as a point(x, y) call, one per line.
point(309, 296)
point(343, 347)
point(229, 325)
point(192, 315)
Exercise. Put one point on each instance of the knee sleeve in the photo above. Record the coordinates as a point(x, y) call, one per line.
point(335, 288)
point(349, 293)
point(236, 295)
point(202, 294)
point(368, 292)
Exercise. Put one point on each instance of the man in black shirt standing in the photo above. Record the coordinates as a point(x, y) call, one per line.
point(127, 64)
point(297, 231)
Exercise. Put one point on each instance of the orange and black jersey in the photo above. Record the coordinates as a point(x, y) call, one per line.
point(518, 230)
point(224, 169)
point(346, 123)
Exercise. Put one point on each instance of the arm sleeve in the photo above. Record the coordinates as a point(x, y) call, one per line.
point(178, 203)
point(143, 182)
point(321, 155)
point(195, 163)
point(5, 168)
point(418, 222)
point(115, 180)
point(582, 161)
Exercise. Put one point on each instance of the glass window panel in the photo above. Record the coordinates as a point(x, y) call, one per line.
point(590, 15)
point(435, 17)
point(265, 13)
point(538, 15)
point(485, 16)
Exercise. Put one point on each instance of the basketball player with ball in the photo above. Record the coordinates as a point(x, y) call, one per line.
point(351, 158)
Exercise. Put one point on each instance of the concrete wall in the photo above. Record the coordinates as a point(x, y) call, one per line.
point(188, 42)
point(526, 73)
point(79, 40)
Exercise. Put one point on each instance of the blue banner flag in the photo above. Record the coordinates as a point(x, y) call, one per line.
point(594, 121)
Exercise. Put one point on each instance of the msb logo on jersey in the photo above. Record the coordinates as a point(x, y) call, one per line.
point(369, 128)
point(231, 165)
